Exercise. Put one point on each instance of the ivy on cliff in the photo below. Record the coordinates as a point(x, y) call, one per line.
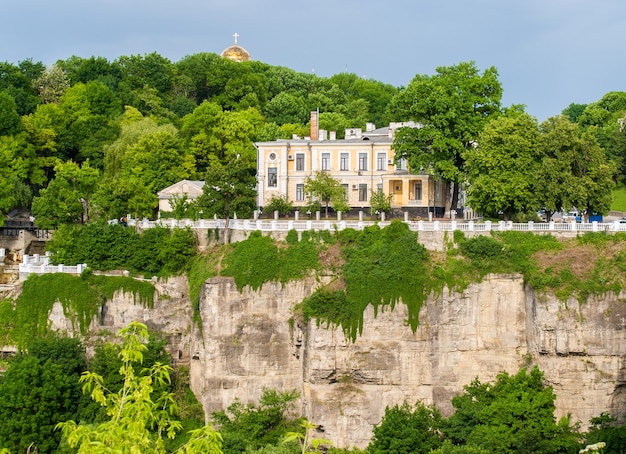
point(382, 267)
point(81, 297)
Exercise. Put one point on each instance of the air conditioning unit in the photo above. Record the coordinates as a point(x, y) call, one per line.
point(354, 187)
point(290, 157)
point(389, 161)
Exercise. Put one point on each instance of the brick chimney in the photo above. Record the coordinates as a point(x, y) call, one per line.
point(314, 125)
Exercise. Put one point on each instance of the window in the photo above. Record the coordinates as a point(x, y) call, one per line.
point(381, 161)
point(346, 188)
point(272, 177)
point(299, 192)
point(300, 161)
point(362, 161)
point(325, 161)
point(362, 193)
point(417, 191)
point(344, 161)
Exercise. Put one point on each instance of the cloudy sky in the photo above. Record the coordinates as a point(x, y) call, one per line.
point(548, 53)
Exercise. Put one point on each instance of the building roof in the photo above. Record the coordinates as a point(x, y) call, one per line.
point(353, 136)
point(192, 188)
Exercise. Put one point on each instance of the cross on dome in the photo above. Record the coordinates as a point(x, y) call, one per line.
point(236, 35)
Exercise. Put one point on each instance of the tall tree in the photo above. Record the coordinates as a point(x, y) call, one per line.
point(452, 106)
point(52, 84)
point(228, 190)
point(67, 199)
point(10, 122)
point(574, 170)
point(502, 166)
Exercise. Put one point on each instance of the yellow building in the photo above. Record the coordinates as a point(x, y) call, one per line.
point(363, 162)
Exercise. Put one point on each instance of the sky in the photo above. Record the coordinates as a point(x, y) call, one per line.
point(548, 53)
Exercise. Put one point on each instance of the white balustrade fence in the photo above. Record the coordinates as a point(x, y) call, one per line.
point(41, 264)
point(273, 225)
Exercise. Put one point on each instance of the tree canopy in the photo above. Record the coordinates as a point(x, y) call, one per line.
point(452, 108)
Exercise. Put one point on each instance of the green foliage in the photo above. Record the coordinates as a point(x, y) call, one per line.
point(481, 247)
point(606, 428)
point(156, 251)
point(382, 268)
point(107, 363)
point(502, 168)
point(327, 190)
point(448, 448)
point(407, 429)
point(81, 299)
point(253, 427)
point(380, 202)
point(258, 259)
point(279, 203)
point(515, 414)
point(201, 268)
point(66, 199)
point(139, 415)
point(38, 390)
point(306, 443)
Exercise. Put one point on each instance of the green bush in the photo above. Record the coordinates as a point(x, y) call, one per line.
point(279, 203)
point(157, 251)
point(258, 260)
point(481, 247)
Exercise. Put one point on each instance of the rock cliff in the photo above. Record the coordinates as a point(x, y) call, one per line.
point(251, 340)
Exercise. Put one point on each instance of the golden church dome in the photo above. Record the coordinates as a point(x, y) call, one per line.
point(236, 52)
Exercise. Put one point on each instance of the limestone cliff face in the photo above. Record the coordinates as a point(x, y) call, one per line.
point(171, 315)
point(249, 341)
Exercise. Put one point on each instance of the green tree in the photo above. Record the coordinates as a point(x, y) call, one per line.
point(502, 166)
point(286, 108)
point(407, 429)
point(606, 428)
point(67, 198)
point(52, 84)
point(87, 122)
point(10, 122)
point(380, 202)
point(328, 190)
point(229, 190)
point(139, 417)
point(515, 414)
point(38, 390)
point(248, 426)
point(452, 107)
point(574, 171)
point(17, 81)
